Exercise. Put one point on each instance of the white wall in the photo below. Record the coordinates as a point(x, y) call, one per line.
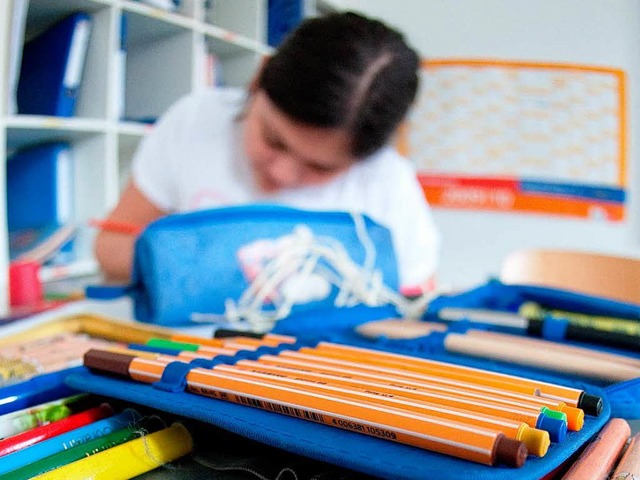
point(594, 32)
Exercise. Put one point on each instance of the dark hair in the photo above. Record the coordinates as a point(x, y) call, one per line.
point(344, 70)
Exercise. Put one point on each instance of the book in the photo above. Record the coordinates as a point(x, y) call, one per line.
point(40, 187)
point(50, 243)
point(282, 17)
point(52, 66)
point(121, 68)
point(18, 23)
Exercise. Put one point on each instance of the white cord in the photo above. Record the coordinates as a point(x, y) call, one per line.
point(301, 259)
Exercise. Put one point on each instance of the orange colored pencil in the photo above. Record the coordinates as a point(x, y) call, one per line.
point(115, 226)
point(600, 456)
point(629, 466)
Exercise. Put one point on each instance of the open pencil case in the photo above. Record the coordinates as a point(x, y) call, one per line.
point(367, 454)
point(494, 295)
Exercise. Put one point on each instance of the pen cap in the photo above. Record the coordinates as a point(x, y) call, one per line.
point(557, 428)
point(575, 417)
point(510, 452)
point(25, 287)
point(536, 440)
point(591, 404)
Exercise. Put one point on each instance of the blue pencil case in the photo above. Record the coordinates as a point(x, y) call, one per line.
point(254, 261)
point(494, 295)
point(348, 449)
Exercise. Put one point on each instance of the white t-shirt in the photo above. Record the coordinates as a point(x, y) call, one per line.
point(193, 159)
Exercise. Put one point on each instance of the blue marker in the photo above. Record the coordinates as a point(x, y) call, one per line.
point(37, 390)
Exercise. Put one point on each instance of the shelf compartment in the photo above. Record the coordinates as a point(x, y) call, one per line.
point(26, 130)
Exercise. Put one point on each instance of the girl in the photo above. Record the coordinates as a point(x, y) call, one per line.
point(313, 133)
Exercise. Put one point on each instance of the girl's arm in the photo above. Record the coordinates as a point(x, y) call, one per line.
point(114, 247)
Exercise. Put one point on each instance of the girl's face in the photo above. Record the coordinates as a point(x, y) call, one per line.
point(286, 154)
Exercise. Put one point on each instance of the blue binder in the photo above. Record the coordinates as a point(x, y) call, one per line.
point(283, 16)
point(52, 65)
point(40, 187)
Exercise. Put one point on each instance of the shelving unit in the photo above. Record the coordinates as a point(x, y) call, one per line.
point(165, 59)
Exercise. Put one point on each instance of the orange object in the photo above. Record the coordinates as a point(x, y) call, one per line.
point(537, 441)
point(473, 443)
point(600, 456)
point(416, 386)
point(629, 466)
point(570, 396)
point(117, 226)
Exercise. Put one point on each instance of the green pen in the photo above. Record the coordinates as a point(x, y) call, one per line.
point(170, 344)
point(554, 414)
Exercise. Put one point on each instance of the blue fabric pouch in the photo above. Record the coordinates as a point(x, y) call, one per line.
point(363, 453)
point(228, 264)
point(494, 295)
point(348, 449)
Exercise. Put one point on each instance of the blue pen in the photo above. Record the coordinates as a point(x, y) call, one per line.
point(37, 390)
point(57, 444)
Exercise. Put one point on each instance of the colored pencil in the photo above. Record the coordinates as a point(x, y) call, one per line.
point(129, 459)
point(409, 329)
point(65, 457)
point(397, 328)
point(464, 441)
point(600, 456)
point(38, 434)
point(67, 440)
point(562, 347)
point(22, 420)
point(508, 348)
point(629, 466)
